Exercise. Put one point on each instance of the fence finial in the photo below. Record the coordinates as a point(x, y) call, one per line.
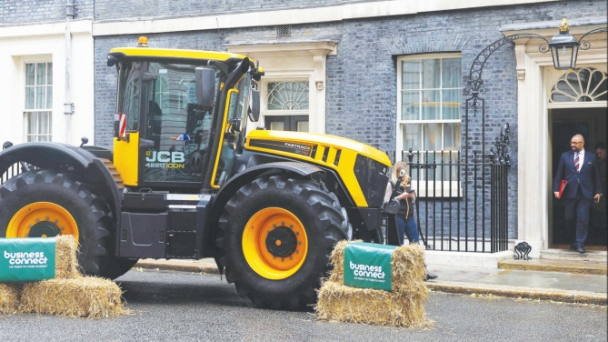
point(410, 156)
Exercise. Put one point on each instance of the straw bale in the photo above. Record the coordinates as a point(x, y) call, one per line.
point(407, 266)
point(9, 297)
point(337, 261)
point(66, 264)
point(339, 303)
point(81, 297)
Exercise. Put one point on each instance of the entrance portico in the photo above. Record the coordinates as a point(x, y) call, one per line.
point(536, 77)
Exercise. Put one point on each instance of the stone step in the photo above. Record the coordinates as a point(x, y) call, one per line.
point(548, 265)
point(566, 255)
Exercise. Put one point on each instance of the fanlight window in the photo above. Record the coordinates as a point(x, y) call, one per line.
point(582, 85)
point(288, 95)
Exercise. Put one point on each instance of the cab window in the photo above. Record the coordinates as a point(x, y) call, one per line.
point(177, 129)
point(130, 100)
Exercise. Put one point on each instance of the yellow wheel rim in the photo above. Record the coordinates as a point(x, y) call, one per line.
point(43, 217)
point(275, 243)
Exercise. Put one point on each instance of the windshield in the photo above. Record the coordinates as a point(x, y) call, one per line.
point(176, 130)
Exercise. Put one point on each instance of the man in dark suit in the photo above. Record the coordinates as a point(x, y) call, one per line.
point(579, 168)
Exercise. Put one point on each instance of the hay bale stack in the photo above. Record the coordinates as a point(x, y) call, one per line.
point(407, 266)
point(340, 303)
point(403, 307)
point(66, 264)
point(9, 297)
point(80, 297)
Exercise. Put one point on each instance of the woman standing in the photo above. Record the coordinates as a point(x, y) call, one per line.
point(406, 222)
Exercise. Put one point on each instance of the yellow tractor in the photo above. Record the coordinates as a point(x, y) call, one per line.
point(185, 181)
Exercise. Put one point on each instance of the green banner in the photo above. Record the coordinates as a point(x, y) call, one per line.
point(29, 259)
point(368, 265)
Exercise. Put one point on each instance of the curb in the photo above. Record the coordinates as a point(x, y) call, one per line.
point(555, 295)
point(174, 266)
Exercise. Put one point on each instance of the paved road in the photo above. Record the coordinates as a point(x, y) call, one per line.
point(187, 307)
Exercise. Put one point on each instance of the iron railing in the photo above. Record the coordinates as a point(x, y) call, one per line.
point(460, 206)
point(14, 170)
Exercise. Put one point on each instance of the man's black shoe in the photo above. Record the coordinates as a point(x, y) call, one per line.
point(429, 275)
point(581, 250)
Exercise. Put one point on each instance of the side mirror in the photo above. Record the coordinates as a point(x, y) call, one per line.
point(205, 86)
point(254, 109)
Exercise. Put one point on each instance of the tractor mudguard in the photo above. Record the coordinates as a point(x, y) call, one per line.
point(207, 218)
point(70, 159)
point(45, 155)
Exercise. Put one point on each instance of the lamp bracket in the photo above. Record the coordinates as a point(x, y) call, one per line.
point(585, 45)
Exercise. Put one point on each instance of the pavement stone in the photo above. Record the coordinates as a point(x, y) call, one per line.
point(530, 284)
point(548, 265)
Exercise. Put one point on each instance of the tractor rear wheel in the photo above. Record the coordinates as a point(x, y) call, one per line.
point(42, 203)
point(276, 235)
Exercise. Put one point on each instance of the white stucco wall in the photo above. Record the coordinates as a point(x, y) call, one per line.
point(46, 43)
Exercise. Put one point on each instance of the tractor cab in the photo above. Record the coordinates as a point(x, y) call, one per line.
point(181, 116)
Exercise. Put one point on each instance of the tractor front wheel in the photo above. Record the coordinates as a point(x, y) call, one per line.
point(276, 235)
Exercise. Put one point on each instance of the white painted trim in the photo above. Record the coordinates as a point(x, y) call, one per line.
point(280, 48)
point(294, 16)
point(399, 139)
point(431, 56)
point(22, 31)
point(31, 59)
point(596, 104)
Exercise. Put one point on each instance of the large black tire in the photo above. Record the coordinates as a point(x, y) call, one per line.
point(118, 266)
point(89, 211)
point(322, 218)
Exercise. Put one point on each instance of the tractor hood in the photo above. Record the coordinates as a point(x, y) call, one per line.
point(361, 168)
point(310, 146)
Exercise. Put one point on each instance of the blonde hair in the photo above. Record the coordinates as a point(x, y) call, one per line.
point(395, 175)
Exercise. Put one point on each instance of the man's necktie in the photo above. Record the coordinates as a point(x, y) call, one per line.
point(577, 162)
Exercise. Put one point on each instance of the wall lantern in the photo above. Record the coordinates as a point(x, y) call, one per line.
point(564, 47)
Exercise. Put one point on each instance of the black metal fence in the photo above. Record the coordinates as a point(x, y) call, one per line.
point(12, 171)
point(461, 205)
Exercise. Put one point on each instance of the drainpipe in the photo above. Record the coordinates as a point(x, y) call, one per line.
point(68, 106)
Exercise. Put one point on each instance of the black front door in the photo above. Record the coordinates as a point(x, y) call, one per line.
point(591, 123)
point(296, 123)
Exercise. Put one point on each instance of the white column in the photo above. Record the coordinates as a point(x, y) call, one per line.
point(318, 120)
point(532, 150)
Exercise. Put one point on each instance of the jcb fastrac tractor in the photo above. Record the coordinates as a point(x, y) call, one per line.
point(185, 181)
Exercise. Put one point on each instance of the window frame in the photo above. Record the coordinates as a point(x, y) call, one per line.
point(25, 112)
point(437, 184)
point(284, 78)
